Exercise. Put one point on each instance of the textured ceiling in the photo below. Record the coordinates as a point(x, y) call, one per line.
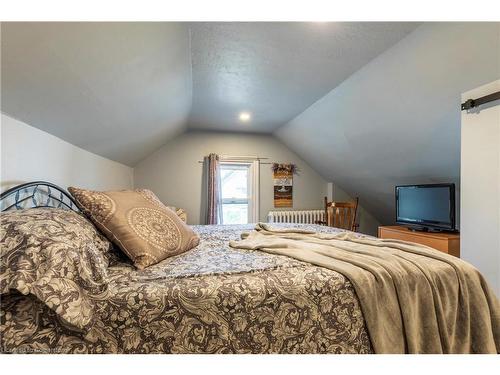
point(121, 90)
point(276, 70)
point(363, 106)
point(397, 120)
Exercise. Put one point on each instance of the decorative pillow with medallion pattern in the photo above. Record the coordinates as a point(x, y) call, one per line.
point(138, 222)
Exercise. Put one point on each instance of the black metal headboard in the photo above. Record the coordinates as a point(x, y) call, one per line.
point(36, 194)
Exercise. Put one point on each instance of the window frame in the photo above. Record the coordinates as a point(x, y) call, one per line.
point(253, 185)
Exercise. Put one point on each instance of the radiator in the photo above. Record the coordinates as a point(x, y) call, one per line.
point(299, 216)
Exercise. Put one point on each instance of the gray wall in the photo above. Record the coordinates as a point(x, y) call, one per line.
point(30, 154)
point(175, 175)
point(397, 120)
point(480, 176)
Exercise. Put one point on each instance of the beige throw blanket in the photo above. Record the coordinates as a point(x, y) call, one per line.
point(414, 299)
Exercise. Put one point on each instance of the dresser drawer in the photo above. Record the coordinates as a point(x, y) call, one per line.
point(446, 242)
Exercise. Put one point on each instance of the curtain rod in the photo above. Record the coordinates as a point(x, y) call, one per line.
point(240, 158)
point(471, 103)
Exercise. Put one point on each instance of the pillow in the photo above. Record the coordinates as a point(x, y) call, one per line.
point(136, 220)
point(59, 257)
point(180, 212)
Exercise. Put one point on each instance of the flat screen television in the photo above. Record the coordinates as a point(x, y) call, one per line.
point(426, 207)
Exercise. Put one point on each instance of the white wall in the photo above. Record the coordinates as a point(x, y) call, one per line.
point(480, 185)
point(29, 154)
point(174, 173)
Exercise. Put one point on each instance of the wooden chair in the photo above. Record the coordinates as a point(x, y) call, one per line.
point(341, 215)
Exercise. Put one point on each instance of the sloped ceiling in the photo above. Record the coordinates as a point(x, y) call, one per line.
point(397, 120)
point(368, 105)
point(120, 90)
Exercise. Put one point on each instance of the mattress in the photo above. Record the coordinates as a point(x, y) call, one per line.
point(212, 299)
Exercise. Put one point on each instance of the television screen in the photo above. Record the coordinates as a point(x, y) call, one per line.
point(428, 206)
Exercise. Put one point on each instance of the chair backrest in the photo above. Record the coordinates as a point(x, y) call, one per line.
point(341, 214)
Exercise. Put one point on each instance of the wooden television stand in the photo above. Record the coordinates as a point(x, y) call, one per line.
point(446, 242)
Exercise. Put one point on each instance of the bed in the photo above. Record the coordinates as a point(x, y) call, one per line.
point(66, 289)
point(212, 299)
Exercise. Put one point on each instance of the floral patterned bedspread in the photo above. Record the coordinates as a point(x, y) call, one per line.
point(212, 299)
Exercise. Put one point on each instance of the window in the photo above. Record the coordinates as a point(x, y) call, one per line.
point(239, 190)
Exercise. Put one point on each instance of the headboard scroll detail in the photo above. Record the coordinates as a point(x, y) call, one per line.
point(36, 194)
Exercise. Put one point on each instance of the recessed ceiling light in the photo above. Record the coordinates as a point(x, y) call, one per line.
point(245, 116)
